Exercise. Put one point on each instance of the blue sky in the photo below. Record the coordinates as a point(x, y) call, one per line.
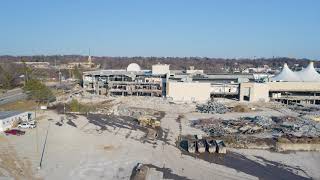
point(212, 28)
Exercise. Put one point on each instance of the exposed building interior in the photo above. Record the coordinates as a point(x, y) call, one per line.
point(194, 85)
point(133, 81)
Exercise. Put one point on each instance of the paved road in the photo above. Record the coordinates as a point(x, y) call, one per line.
point(12, 96)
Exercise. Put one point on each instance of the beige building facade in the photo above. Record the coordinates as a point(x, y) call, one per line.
point(286, 92)
point(188, 91)
point(254, 92)
point(159, 69)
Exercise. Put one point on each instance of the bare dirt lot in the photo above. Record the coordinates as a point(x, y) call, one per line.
point(109, 147)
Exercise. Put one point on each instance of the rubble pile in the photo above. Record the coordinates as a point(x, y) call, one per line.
point(212, 107)
point(305, 110)
point(274, 126)
point(262, 121)
point(213, 127)
point(297, 127)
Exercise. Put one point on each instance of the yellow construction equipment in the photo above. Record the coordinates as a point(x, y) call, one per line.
point(149, 121)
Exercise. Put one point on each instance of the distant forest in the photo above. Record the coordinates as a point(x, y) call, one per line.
point(179, 63)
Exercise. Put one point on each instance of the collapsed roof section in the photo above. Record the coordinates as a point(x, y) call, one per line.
point(308, 74)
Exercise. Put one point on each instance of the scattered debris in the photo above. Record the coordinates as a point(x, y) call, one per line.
point(212, 107)
point(305, 109)
point(258, 130)
point(259, 124)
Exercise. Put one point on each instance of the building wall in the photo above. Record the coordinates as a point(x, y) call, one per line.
point(294, 86)
point(225, 89)
point(194, 71)
point(260, 91)
point(188, 91)
point(161, 69)
point(10, 122)
point(254, 92)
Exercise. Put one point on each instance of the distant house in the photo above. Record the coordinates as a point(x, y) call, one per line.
point(9, 119)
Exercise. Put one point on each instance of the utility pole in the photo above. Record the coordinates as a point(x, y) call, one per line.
point(59, 76)
point(44, 147)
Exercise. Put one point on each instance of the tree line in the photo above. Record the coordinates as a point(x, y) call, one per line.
point(210, 65)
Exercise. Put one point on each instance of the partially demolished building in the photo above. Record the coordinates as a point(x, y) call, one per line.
point(188, 85)
point(130, 82)
point(195, 86)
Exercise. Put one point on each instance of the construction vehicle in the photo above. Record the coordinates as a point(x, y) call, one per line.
point(149, 121)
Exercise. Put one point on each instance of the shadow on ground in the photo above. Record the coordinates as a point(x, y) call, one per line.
point(111, 123)
point(266, 170)
point(167, 173)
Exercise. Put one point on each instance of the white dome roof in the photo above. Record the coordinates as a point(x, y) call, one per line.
point(133, 67)
point(309, 74)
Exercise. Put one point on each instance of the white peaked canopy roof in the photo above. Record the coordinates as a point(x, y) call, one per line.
point(286, 75)
point(309, 74)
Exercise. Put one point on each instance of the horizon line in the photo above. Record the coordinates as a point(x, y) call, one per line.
point(233, 58)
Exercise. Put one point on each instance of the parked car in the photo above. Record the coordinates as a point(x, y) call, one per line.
point(16, 132)
point(26, 125)
point(32, 123)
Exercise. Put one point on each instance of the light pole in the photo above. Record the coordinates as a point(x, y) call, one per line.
point(44, 147)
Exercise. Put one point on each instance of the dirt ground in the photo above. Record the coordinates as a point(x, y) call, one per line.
point(12, 165)
point(109, 147)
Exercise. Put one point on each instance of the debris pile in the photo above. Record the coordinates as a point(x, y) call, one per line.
point(297, 127)
point(262, 121)
point(213, 127)
point(273, 126)
point(305, 109)
point(212, 107)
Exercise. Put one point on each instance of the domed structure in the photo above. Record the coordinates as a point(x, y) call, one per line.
point(133, 67)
